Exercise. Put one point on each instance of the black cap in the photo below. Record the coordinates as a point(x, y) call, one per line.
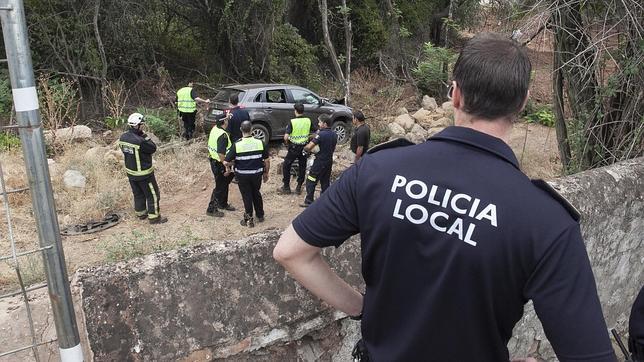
point(359, 116)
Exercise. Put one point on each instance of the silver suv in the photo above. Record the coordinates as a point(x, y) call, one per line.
point(271, 108)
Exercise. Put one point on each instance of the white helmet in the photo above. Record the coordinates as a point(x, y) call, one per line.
point(135, 119)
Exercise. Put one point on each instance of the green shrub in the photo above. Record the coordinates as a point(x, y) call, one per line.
point(292, 59)
point(8, 141)
point(114, 123)
point(6, 97)
point(161, 122)
point(541, 114)
point(432, 71)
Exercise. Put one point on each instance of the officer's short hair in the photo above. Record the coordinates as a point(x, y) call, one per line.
point(359, 116)
point(325, 118)
point(299, 107)
point(246, 126)
point(220, 121)
point(493, 74)
point(234, 99)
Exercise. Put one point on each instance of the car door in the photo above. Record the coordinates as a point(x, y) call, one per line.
point(313, 105)
point(278, 109)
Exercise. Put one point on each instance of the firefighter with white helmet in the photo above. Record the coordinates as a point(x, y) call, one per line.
point(138, 148)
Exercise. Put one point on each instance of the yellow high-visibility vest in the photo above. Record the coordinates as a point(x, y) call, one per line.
point(185, 103)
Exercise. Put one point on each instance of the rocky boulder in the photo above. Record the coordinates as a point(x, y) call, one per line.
point(68, 134)
point(113, 156)
point(441, 122)
point(95, 152)
point(448, 107)
point(405, 121)
point(74, 179)
point(396, 129)
point(422, 115)
point(401, 111)
point(429, 103)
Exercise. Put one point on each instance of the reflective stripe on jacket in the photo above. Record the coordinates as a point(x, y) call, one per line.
point(249, 156)
point(301, 130)
point(185, 103)
point(137, 152)
point(213, 139)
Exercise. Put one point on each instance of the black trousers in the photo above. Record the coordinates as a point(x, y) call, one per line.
point(249, 186)
point(320, 171)
point(188, 124)
point(146, 192)
point(219, 196)
point(295, 152)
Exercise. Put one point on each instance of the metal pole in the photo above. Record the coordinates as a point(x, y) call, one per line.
point(25, 100)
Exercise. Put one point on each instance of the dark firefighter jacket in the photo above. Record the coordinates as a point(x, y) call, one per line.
point(137, 149)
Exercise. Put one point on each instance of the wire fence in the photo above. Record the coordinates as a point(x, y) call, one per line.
point(29, 127)
point(13, 260)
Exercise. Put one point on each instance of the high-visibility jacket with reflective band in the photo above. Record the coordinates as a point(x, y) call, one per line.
point(185, 103)
point(215, 134)
point(248, 156)
point(137, 151)
point(301, 130)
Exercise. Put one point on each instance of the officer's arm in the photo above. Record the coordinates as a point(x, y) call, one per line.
point(359, 152)
point(306, 265)
point(267, 169)
point(562, 289)
point(309, 146)
point(222, 142)
point(148, 146)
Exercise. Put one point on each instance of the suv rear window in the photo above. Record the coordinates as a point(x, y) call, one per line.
point(225, 93)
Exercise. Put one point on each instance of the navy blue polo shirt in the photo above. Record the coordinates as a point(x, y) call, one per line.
point(455, 240)
point(239, 115)
point(326, 139)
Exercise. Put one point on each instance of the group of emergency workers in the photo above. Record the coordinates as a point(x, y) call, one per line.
point(422, 285)
point(236, 156)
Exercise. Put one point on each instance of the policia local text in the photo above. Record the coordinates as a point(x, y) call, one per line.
point(446, 199)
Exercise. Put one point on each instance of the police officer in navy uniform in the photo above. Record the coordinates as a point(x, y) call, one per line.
point(252, 165)
point(296, 137)
point(237, 115)
point(137, 150)
point(455, 238)
point(320, 171)
point(218, 145)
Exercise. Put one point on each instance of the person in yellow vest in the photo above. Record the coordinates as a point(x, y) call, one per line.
point(137, 150)
point(218, 145)
point(187, 107)
point(250, 158)
point(298, 132)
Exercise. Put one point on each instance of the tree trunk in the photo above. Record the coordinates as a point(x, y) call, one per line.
point(577, 58)
point(101, 51)
point(558, 107)
point(348, 37)
point(329, 46)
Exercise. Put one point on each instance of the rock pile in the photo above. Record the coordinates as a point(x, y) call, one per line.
point(423, 123)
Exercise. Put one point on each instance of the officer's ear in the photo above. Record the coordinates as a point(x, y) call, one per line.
point(456, 95)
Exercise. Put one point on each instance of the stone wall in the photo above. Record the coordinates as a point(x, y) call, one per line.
point(233, 301)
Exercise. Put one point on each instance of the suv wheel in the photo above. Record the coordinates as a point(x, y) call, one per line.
point(260, 132)
point(342, 131)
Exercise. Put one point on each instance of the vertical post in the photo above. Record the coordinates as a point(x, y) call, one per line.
point(25, 100)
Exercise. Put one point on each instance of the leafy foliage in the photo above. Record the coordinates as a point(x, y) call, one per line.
point(541, 114)
point(432, 71)
point(292, 59)
point(8, 141)
point(6, 99)
point(160, 122)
